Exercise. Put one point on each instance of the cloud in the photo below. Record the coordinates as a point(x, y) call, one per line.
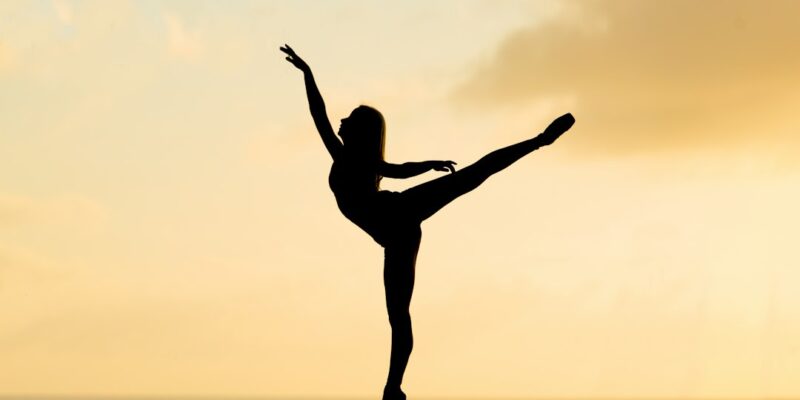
point(653, 76)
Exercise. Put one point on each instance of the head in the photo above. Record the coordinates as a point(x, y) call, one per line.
point(364, 133)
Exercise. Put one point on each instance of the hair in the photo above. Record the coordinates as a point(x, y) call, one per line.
point(368, 143)
point(370, 139)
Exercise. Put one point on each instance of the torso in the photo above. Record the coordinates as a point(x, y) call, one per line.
point(377, 212)
point(354, 186)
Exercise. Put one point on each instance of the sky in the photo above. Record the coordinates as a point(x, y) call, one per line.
point(166, 226)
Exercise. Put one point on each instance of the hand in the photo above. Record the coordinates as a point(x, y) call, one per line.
point(443, 165)
point(293, 58)
point(556, 129)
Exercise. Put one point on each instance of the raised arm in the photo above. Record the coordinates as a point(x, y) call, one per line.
point(410, 169)
point(315, 104)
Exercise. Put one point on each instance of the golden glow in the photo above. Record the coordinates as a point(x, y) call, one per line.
point(166, 226)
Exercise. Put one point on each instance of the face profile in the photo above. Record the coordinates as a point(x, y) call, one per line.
point(343, 128)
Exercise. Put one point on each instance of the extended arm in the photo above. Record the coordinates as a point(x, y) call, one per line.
point(316, 104)
point(410, 169)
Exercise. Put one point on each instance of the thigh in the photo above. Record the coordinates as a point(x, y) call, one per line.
point(422, 201)
point(391, 226)
point(400, 259)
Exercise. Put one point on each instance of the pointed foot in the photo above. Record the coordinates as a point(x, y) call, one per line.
point(561, 124)
point(556, 129)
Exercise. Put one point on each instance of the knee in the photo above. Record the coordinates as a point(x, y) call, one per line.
point(400, 320)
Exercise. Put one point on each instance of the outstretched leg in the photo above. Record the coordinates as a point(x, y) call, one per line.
point(398, 280)
point(426, 199)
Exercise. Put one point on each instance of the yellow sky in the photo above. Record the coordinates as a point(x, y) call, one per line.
point(166, 226)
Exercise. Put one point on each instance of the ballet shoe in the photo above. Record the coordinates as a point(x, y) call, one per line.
point(560, 124)
point(556, 129)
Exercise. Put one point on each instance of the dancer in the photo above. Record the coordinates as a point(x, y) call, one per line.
point(393, 219)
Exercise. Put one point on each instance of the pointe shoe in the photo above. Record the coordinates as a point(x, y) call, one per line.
point(557, 128)
point(561, 124)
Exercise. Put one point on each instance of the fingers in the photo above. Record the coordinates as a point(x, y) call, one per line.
point(292, 56)
point(289, 53)
point(288, 50)
point(445, 166)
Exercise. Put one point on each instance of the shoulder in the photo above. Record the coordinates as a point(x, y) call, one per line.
point(381, 166)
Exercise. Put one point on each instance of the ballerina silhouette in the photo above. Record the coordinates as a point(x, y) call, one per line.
point(393, 219)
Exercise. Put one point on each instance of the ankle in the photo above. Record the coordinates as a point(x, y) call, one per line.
point(393, 392)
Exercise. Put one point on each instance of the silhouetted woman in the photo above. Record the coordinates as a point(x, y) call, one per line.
point(393, 219)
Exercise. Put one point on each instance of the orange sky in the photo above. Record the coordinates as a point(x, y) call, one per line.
point(166, 226)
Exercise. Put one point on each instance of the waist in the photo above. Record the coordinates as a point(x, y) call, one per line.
point(361, 202)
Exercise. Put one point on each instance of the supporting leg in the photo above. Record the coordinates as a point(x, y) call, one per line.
point(398, 278)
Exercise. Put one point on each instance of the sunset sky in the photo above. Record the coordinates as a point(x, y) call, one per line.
point(166, 227)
